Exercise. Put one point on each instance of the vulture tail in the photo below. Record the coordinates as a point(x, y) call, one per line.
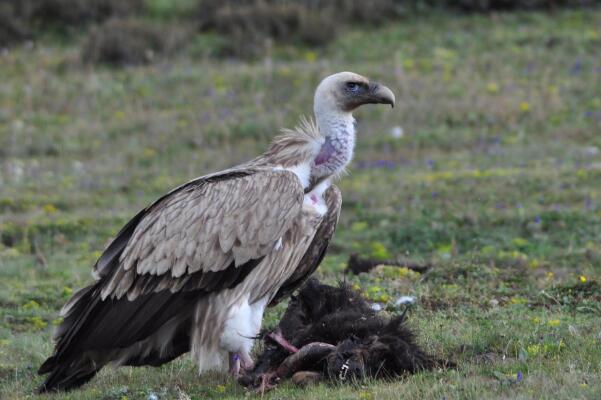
point(69, 376)
point(66, 370)
point(150, 330)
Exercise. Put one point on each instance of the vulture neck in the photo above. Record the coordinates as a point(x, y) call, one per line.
point(338, 129)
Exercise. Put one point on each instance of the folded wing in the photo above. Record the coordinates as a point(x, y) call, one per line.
point(202, 237)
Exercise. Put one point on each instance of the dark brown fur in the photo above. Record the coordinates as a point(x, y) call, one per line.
point(367, 345)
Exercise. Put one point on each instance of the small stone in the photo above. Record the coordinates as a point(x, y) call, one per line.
point(405, 300)
point(376, 307)
point(397, 132)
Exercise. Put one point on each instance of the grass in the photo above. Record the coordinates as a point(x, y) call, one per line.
point(495, 182)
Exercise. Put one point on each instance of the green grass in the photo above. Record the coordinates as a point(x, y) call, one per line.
point(496, 183)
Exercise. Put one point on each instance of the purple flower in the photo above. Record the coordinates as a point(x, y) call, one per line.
point(576, 68)
point(519, 377)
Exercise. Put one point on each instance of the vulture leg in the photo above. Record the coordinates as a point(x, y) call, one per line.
point(234, 359)
point(246, 361)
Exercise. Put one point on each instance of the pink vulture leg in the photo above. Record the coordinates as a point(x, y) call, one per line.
point(277, 337)
point(246, 361)
point(234, 359)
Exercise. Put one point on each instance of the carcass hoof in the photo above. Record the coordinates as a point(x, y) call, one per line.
point(306, 378)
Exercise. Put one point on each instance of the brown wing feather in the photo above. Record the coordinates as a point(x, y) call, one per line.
point(318, 247)
point(206, 227)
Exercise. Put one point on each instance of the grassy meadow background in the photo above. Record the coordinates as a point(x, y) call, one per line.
point(488, 169)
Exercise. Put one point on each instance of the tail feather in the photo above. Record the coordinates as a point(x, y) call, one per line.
point(150, 330)
point(69, 376)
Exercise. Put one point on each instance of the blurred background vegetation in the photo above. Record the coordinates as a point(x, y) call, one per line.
point(137, 31)
point(488, 171)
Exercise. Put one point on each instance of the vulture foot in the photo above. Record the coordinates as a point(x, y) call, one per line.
point(240, 362)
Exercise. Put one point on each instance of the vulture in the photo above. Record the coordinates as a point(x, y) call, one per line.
point(195, 270)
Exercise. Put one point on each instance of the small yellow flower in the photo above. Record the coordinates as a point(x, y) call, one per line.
point(149, 153)
point(519, 242)
point(379, 251)
point(359, 226)
point(534, 349)
point(50, 209)
point(518, 300)
point(310, 56)
point(408, 63)
point(582, 278)
point(366, 395)
point(220, 389)
point(524, 106)
point(37, 322)
point(536, 320)
point(492, 88)
point(119, 115)
point(554, 322)
point(31, 305)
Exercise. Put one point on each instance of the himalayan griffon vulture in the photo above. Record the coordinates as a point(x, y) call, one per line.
point(195, 270)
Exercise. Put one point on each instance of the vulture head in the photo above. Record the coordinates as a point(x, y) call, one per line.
point(345, 91)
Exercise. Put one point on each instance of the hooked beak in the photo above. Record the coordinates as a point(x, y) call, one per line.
point(380, 94)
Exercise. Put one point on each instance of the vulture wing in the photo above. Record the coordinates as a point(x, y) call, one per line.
point(202, 237)
point(318, 247)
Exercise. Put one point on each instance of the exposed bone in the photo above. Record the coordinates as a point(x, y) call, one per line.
point(278, 338)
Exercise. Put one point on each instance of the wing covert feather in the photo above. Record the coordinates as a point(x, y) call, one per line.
point(208, 227)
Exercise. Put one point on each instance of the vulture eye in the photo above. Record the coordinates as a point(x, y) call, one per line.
point(352, 87)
